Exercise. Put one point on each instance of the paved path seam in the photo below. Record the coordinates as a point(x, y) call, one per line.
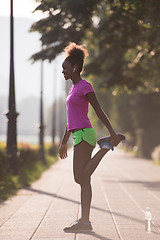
point(44, 215)
point(110, 209)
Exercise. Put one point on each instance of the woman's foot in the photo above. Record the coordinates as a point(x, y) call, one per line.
point(79, 225)
point(107, 143)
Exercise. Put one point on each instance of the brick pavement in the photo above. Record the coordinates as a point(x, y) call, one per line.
point(123, 186)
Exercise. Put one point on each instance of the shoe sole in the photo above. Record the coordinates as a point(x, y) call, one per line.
point(108, 139)
point(78, 231)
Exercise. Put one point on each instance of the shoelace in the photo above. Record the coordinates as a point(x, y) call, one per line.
point(75, 222)
point(78, 221)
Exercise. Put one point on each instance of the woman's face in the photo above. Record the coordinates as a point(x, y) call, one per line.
point(67, 70)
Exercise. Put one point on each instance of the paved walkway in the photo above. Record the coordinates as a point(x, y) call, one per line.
point(123, 187)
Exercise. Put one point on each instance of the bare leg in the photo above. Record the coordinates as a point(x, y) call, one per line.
point(93, 163)
point(82, 155)
point(86, 197)
point(83, 167)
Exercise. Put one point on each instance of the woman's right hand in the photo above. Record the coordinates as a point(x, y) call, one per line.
point(115, 140)
point(63, 151)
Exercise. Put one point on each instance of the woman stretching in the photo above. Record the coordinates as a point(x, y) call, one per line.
point(84, 135)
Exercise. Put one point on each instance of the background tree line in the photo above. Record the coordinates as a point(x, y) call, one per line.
point(123, 40)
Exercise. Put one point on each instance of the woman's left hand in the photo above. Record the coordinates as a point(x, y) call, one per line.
point(63, 151)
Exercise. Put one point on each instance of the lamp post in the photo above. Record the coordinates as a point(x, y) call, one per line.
point(11, 159)
point(54, 104)
point(41, 126)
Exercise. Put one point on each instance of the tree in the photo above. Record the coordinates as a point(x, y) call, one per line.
point(66, 21)
point(127, 45)
point(123, 38)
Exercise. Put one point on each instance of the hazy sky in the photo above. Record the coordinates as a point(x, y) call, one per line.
point(22, 8)
point(24, 70)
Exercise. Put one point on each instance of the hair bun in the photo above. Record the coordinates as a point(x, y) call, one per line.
point(76, 51)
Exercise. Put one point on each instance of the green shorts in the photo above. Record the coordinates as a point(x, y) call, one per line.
point(86, 134)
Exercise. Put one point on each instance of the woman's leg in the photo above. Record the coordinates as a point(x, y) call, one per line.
point(93, 163)
point(83, 167)
point(82, 155)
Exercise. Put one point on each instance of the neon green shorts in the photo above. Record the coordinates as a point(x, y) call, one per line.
point(86, 134)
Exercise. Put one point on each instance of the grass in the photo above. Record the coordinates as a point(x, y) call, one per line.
point(30, 168)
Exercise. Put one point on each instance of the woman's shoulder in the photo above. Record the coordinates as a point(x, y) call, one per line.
point(86, 87)
point(84, 82)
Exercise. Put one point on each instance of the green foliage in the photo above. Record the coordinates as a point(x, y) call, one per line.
point(65, 19)
point(2, 155)
point(156, 155)
point(123, 38)
point(146, 118)
point(30, 168)
point(138, 117)
point(127, 45)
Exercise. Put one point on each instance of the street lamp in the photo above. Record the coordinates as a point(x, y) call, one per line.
point(54, 104)
point(11, 159)
point(41, 126)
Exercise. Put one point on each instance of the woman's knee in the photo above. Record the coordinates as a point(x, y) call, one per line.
point(82, 179)
point(77, 179)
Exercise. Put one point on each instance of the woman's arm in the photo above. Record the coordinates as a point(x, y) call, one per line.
point(102, 116)
point(63, 145)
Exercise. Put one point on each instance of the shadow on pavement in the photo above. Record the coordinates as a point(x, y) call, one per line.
point(77, 202)
point(147, 184)
point(95, 235)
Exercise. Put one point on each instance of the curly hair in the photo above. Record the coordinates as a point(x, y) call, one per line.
point(76, 54)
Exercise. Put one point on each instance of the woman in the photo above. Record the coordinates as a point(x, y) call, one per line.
point(84, 135)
